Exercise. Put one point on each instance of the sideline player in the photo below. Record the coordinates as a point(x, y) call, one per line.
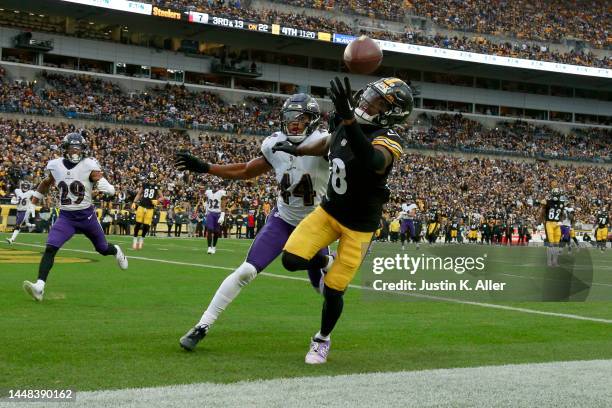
point(302, 181)
point(25, 209)
point(361, 151)
point(215, 216)
point(146, 198)
point(75, 176)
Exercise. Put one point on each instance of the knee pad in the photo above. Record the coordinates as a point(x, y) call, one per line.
point(293, 263)
point(245, 273)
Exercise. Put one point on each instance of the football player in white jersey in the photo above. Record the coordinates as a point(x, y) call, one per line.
point(75, 176)
point(303, 182)
point(407, 227)
point(215, 215)
point(25, 209)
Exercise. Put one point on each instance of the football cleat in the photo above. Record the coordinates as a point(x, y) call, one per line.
point(122, 260)
point(191, 339)
point(209, 250)
point(135, 243)
point(9, 241)
point(33, 291)
point(318, 352)
point(213, 250)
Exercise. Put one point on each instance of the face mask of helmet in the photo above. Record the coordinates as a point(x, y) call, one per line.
point(74, 153)
point(295, 125)
point(370, 105)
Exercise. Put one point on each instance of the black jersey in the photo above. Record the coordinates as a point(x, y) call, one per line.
point(355, 194)
point(602, 220)
point(553, 210)
point(149, 193)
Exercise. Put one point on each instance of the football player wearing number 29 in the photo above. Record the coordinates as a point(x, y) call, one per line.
point(75, 176)
point(302, 184)
point(361, 152)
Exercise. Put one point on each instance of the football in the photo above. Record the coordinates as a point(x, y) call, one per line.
point(362, 56)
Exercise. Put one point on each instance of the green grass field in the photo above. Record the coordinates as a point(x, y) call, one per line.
point(103, 328)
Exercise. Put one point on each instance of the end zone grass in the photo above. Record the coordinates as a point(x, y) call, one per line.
point(103, 328)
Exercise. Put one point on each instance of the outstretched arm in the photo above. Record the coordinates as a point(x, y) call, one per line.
point(241, 171)
point(235, 171)
point(319, 147)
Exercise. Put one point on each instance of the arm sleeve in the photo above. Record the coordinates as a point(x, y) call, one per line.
point(363, 148)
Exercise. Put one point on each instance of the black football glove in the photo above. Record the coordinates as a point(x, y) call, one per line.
point(286, 147)
point(187, 161)
point(342, 97)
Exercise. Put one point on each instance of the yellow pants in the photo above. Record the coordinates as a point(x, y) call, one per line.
point(553, 232)
point(601, 234)
point(432, 227)
point(472, 234)
point(144, 215)
point(318, 230)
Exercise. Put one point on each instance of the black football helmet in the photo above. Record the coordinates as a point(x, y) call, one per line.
point(74, 147)
point(297, 108)
point(387, 102)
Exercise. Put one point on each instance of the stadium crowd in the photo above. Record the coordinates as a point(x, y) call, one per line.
point(587, 23)
point(588, 20)
point(455, 132)
point(459, 185)
point(83, 96)
point(520, 47)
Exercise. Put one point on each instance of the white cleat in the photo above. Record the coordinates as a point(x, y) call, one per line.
point(213, 250)
point(122, 260)
point(139, 244)
point(33, 291)
point(209, 250)
point(135, 244)
point(9, 241)
point(318, 352)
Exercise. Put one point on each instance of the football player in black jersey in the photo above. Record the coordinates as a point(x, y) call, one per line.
point(361, 150)
point(601, 231)
point(552, 209)
point(147, 198)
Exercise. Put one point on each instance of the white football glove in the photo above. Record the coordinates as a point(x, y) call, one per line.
point(221, 218)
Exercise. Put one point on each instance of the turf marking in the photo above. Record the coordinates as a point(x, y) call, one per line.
point(430, 297)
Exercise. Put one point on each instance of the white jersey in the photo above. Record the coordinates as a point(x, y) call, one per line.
point(23, 199)
point(73, 184)
point(567, 213)
point(213, 200)
point(405, 214)
point(302, 179)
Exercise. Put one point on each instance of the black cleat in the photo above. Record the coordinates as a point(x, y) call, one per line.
point(190, 340)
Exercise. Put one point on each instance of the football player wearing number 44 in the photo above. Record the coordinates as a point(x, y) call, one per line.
point(302, 184)
point(361, 151)
point(75, 176)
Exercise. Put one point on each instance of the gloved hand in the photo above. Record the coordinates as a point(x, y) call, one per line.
point(342, 97)
point(286, 147)
point(186, 161)
point(221, 218)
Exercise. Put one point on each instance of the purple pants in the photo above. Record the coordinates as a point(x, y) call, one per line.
point(71, 222)
point(269, 243)
point(212, 222)
point(565, 232)
point(20, 218)
point(407, 226)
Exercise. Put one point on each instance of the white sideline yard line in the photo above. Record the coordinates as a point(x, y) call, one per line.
point(556, 384)
point(449, 300)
